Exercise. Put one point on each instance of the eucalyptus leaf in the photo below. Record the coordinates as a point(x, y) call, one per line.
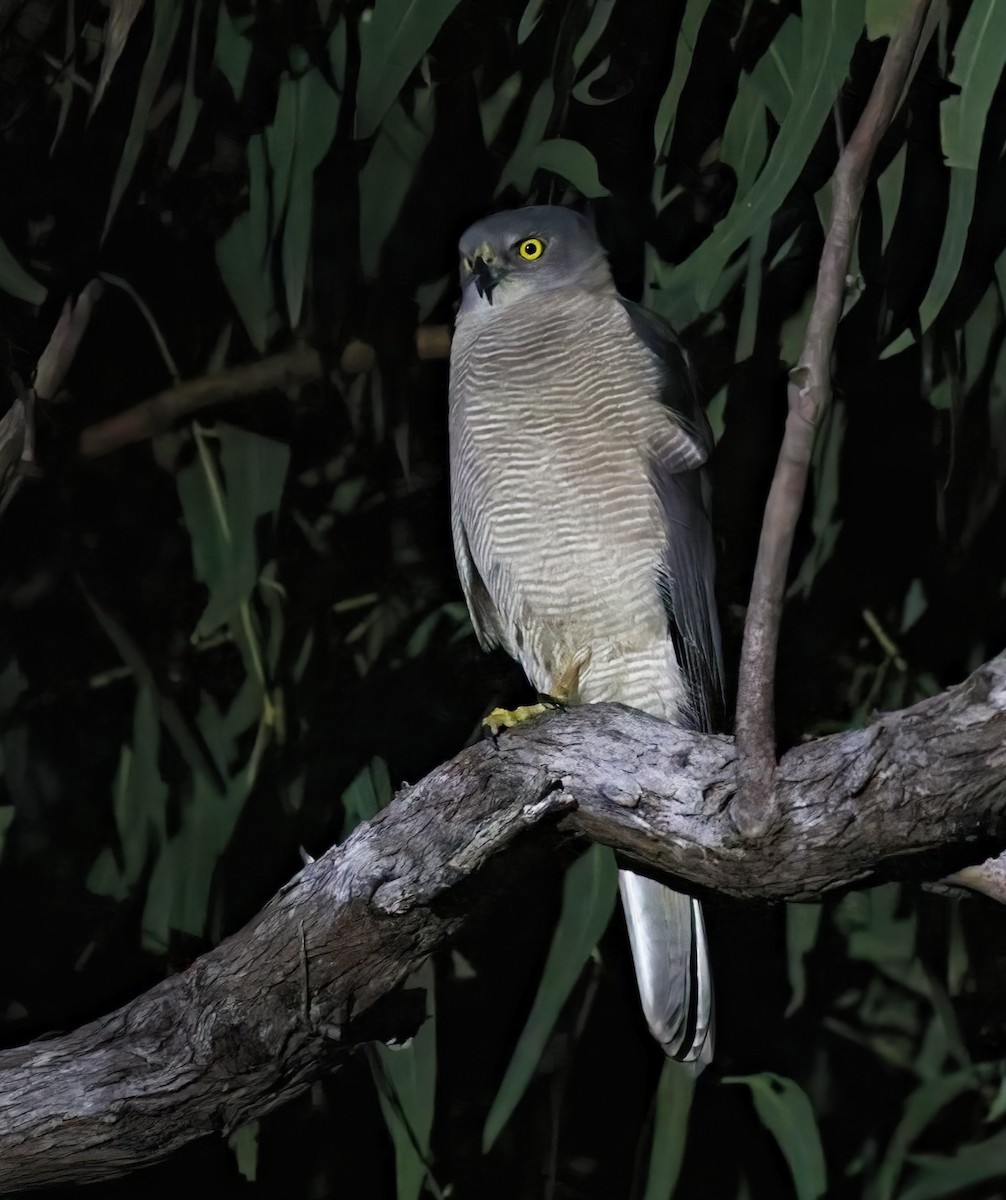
point(670, 1129)
point(222, 507)
point(885, 17)
point(785, 1111)
point(691, 22)
point(582, 92)
point(716, 410)
point(408, 1096)
point(178, 894)
point(941, 395)
point(588, 898)
point(280, 142)
point(944, 1038)
point(785, 249)
point(997, 1109)
point(317, 117)
point(914, 606)
point(6, 817)
point(889, 187)
point(493, 110)
point(387, 175)
point(979, 59)
point(174, 721)
point(958, 958)
point(803, 923)
point(600, 15)
point(337, 45)
point(521, 165)
point(121, 16)
point(981, 337)
point(369, 792)
point(188, 112)
point(232, 50)
point(140, 799)
point(244, 1145)
point(997, 415)
point(960, 208)
point(1000, 270)
point(936, 1176)
point(16, 281)
point(830, 30)
point(13, 683)
point(529, 18)
point(394, 37)
point(871, 922)
point(793, 333)
point(18, 762)
point(167, 16)
point(747, 328)
point(776, 73)
point(244, 253)
point(571, 161)
point(745, 137)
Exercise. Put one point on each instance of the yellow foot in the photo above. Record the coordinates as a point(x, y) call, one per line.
point(506, 718)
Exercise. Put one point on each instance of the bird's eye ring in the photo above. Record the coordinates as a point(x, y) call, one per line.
point(531, 249)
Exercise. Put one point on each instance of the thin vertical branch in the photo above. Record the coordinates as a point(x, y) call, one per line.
point(809, 396)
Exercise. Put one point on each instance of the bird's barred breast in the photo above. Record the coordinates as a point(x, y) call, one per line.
point(553, 418)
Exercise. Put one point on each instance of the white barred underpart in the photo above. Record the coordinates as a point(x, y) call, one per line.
point(555, 424)
point(555, 419)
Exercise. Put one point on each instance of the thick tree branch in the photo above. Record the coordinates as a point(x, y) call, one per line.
point(809, 396)
point(249, 1025)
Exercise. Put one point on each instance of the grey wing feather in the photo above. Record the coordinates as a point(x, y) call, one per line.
point(688, 569)
point(686, 587)
point(666, 928)
point(484, 614)
point(679, 394)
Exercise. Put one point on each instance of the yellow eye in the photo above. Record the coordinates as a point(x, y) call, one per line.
point(531, 248)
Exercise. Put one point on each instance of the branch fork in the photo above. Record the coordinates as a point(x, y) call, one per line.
point(809, 396)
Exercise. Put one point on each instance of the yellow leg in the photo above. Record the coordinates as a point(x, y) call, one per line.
point(507, 718)
point(562, 694)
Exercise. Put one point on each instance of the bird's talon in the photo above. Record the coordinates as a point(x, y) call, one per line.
point(507, 718)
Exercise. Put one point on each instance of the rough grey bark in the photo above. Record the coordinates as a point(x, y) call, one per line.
point(918, 793)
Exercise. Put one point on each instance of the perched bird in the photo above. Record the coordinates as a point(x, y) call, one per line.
point(581, 525)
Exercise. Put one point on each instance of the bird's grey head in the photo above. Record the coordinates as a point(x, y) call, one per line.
point(526, 251)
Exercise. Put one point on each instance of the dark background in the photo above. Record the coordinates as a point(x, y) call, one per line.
point(367, 649)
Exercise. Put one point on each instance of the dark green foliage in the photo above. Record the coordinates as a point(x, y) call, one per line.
point(235, 641)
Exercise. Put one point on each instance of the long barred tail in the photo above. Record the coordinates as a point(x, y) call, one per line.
point(668, 939)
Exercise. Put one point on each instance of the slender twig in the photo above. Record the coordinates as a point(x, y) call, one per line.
point(148, 316)
point(56, 358)
point(292, 368)
point(17, 427)
point(809, 396)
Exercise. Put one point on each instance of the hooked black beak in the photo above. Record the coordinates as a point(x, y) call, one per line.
point(485, 278)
